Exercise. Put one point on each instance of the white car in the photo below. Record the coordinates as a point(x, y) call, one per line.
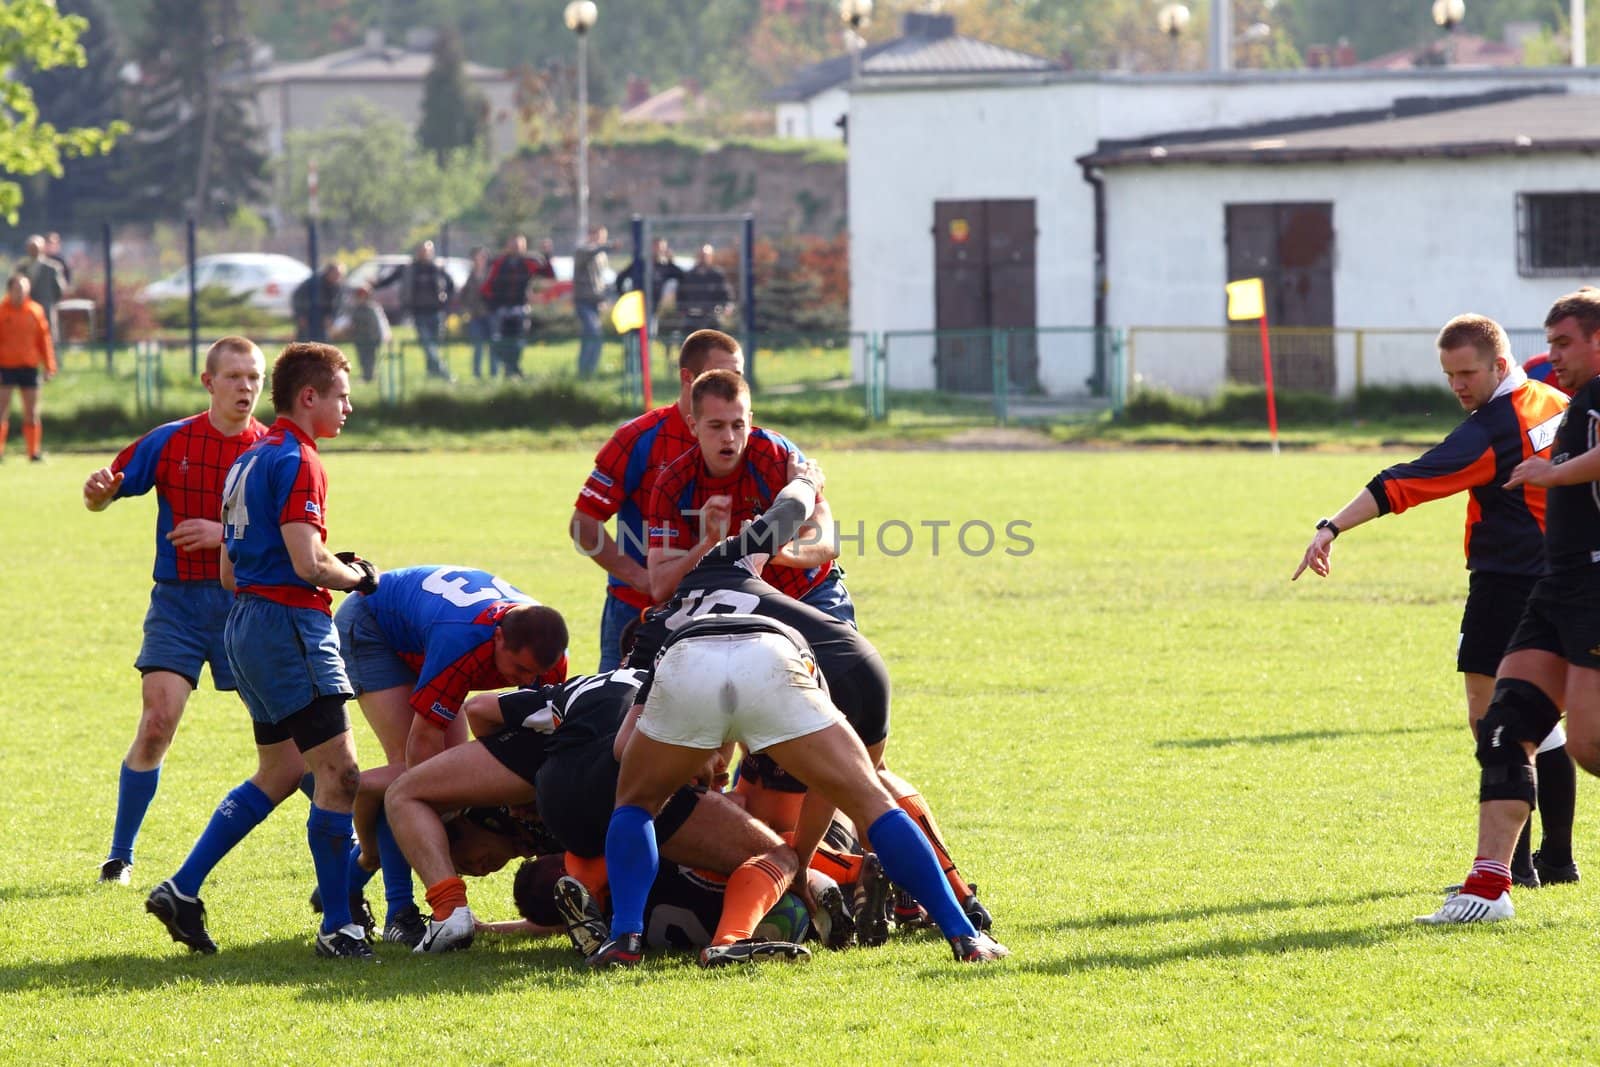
point(267, 279)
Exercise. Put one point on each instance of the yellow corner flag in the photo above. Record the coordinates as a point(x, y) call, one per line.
point(1246, 299)
point(628, 313)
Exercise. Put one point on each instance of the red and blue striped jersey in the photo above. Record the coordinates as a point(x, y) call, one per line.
point(683, 488)
point(185, 462)
point(1505, 527)
point(625, 472)
point(440, 620)
point(277, 481)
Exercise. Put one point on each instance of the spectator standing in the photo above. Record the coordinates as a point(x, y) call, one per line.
point(703, 294)
point(317, 302)
point(369, 330)
point(505, 290)
point(426, 290)
point(25, 350)
point(480, 327)
point(588, 295)
point(662, 271)
point(52, 248)
point(47, 279)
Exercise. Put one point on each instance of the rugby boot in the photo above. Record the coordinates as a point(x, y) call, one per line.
point(1549, 873)
point(624, 950)
point(1467, 908)
point(406, 927)
point(346, 943)
point(184, 917)
point(751, 950)
point(585, 925)
point(977, 914)
point(907, 913)
point(871, 899)
point(449, 935)
point(977, 948)
point(360, 911)
point(835, 926)
point(120, 872)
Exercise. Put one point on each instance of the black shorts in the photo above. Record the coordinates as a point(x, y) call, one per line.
point(22, 377)
point(1563, 617)
point(522, 751)
point(1494, 607)
point(763, 770)
point(578, 790)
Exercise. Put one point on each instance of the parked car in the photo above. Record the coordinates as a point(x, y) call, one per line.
point(390, 298)
point(267, 279)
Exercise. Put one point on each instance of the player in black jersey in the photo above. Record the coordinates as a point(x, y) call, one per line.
point(1553, 659)
point(729, 674)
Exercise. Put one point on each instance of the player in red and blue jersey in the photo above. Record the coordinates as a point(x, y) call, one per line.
point(733, 476)
point(185, 462)
point(1509, 419)
point(413, 651)
point(283, 648)
point(624, 474)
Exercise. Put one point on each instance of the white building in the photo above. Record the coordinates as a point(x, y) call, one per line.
point(306, 95)
point(969, 206)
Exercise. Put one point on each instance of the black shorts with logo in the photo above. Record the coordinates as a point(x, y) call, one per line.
point(1494, 607)
point(1563, 617)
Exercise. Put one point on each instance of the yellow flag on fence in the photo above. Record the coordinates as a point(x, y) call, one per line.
point(1246, 299)
point(628, 313)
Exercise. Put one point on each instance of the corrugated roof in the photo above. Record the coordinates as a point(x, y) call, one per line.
point(910, 54)
point(1542, 122)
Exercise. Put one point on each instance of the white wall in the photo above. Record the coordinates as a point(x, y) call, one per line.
point(912, 144)
point(816, 118)
point(1415, 243)
point(305, 105)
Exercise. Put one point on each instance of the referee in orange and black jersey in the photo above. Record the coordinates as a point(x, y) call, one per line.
point(1509, 418)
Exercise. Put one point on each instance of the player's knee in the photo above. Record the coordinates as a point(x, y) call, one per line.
point(1520, 715)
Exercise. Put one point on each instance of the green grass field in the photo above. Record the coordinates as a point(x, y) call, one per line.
point(1204, 804)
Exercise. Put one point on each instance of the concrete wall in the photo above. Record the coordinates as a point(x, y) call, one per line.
point(308, 104)
point(814, 119)
point(913, 143)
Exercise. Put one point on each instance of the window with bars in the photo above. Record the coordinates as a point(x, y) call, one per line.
point(1558, 233)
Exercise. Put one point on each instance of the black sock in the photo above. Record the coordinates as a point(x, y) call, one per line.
point(1522, 858)
point(1558, 797)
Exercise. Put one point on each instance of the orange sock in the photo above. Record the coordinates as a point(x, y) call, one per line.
point(446, 896)
point(917, 808)
point(32, 434)
point(5, 431)
point(752, 891)
point(591, 871)
point(842, 867)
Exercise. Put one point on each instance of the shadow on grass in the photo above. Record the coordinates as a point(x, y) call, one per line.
point(1300, 736)
point(289, 961)
point(1110, 919)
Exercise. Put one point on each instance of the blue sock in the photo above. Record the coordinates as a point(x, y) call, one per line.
point(631, 864)
point(909, 860)
point(241, 811)
point(356, 876)
point(328, 834)
point(398, 892)
point(135, 790)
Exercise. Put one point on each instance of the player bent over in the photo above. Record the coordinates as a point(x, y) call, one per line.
point(283, 649)
point(754, 680)
point(185, 462)
point(1553, 660)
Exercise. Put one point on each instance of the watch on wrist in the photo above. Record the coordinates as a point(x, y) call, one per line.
point(1328, 524)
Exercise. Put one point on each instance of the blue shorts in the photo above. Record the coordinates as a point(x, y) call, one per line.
point(614, 618)
point(832, 598)
point(370, 662)
point(183, 632)
point(283, 658)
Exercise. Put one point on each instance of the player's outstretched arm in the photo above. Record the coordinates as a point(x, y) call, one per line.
point(101, 489)
point(815, 544)
point(1536, 470)
point(591, 538)
point(313, 562)
point(1318, 554)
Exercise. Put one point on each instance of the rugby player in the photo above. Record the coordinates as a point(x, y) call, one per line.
point(728, 480)
point(185, 462)
point(413, 651)
point(625, 471)
point(1509, 419)
point(1553, 659)
point(732, 675)
point(283, 649)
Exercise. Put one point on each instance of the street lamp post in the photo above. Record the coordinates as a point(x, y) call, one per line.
point(855, 14)
point(1172, 20)
point(579, 17)
point(1447, 15)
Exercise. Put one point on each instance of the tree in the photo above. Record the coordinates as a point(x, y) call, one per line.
point(73, 96)
point(453, 112)
point(376, 185)
point(194, 148)
point(34, 34)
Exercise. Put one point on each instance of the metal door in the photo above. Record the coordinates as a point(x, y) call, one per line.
point(1290, 248)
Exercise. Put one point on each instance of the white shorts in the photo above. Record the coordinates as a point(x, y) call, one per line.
point(756, 688)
